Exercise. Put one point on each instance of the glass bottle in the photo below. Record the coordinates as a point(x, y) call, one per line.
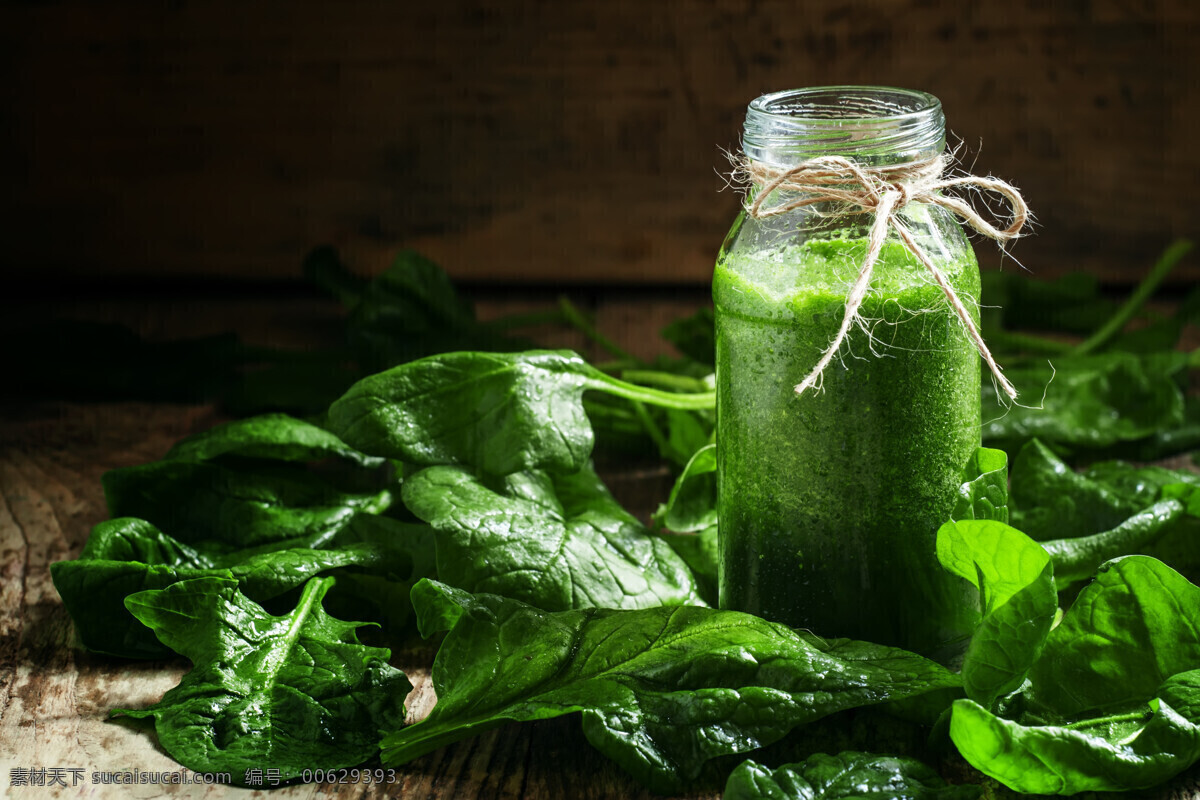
point(829, 501)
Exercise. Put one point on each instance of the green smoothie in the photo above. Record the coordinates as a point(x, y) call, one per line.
point(829, 502)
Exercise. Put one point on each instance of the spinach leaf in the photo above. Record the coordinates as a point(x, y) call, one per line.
point(268, 436)
point(1092, 403)
point(701, 552)
point(239, 505)
point(556, 541)
point(410, 310)
point(1116, 752)
point(846, 775)
point(984, 490)
point(499, 412)
point(1076, 559)
point(692, 504)
point(1053, 501)
point(1134, 626)
point(1015, 579)
point(126, 555)
point(1111, 700)
point(291, 692)
point(687, 434)
point(1112, 508)
point(661, 690)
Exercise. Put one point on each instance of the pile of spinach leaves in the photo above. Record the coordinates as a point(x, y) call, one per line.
point(458, 488)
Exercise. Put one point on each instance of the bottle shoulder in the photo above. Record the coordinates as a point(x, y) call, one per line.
point(775, 262)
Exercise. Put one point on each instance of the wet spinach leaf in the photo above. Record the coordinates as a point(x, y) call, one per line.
point(268, 436)
point(845, 775)
point(124, 556)
point(557, 541)
point(499, 412)
point(662, 691)
point(241, 505)
point(1078, 558)
point(695, 336)
point(291, 692)
point(1092, 403)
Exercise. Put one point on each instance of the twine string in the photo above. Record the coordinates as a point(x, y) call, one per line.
point(884, 192)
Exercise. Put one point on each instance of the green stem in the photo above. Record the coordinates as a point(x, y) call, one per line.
point(576, 318)
point(655, 432)
point(1166, 262)
point(656, 397)
point(664, 380)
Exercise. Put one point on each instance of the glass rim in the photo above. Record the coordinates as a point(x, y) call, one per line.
point(875, 125)
point(775, 104)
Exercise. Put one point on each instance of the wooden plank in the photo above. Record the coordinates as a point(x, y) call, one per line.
point(551, 142)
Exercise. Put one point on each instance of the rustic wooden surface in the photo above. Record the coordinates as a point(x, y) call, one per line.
point(550, 141)
point(55, 697)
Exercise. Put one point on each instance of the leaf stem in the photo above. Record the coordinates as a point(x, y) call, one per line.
point(656, 397)
point(664, 380)
point(1166, 262)
point(576, 319)
point(655, 433)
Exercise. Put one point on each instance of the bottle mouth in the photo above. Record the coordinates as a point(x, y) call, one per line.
point(874, 125)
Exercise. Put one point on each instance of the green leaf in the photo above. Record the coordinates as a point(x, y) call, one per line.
point(1112, 699)
point(1119, 752)
point(1076, 559)
point(701, 552)
point(556, 541)
point(499, 412)
point(126, 555)
point(661, 690)
point(293, 692)
point(269, 436)
point(984, 491)
point(687, 434)
point(1134, 626)
point(846, 775)
point(1052, 501)
point(1092, 403)
point(1112, 508)
point(1015, 579)
point(239, 505)
point(692, 504)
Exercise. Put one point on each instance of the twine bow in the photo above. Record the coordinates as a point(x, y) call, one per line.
point(884, 192)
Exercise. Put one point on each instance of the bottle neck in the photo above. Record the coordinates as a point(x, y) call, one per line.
point(874, 126)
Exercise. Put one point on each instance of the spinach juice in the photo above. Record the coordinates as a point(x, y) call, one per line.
point(829, 501)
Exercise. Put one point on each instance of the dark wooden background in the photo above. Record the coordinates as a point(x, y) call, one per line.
point(549, 142)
